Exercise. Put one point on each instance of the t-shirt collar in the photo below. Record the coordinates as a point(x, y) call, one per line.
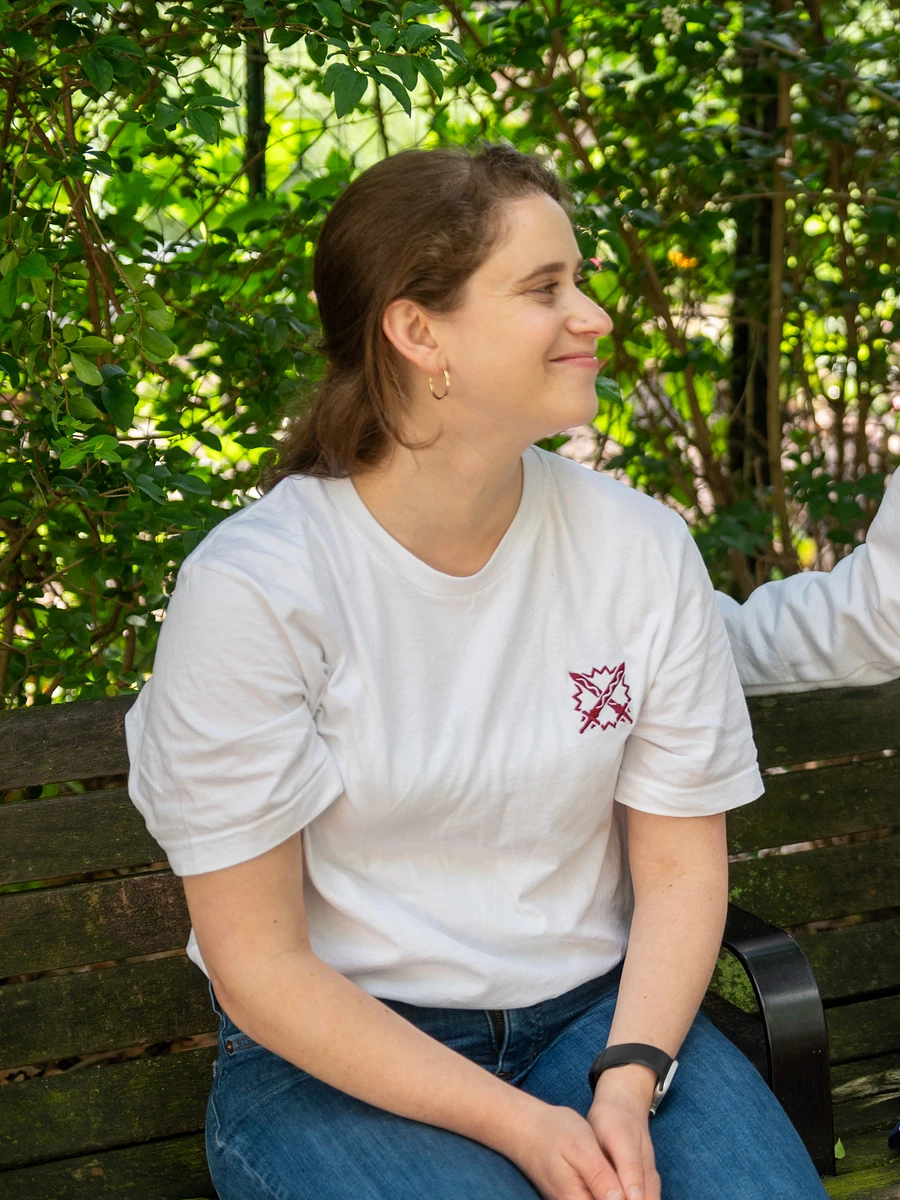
point(351, 508)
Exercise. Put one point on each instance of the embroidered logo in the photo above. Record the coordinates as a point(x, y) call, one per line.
point(601, 697)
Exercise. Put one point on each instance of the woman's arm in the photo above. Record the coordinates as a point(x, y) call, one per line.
point(250, 925)
point(679, 869)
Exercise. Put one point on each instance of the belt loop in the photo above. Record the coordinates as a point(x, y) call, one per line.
point(214, 1002)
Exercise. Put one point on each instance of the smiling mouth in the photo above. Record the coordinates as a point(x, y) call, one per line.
point(578, 360)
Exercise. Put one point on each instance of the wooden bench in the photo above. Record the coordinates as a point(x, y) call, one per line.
point(130, 1045)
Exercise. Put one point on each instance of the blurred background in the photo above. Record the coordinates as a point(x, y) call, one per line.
point(165, 171)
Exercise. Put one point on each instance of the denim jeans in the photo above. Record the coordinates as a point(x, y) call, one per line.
point(274, 1132)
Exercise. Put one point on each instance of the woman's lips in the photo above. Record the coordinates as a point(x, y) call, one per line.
point(579, 360)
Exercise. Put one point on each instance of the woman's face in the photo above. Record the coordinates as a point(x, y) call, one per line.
point(523, 312)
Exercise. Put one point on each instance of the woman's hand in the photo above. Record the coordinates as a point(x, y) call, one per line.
point(561, 1154)
point(619, 1119)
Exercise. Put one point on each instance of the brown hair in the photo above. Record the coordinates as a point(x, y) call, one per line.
point(416, 224)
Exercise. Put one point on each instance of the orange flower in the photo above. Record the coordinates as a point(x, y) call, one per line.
point(682, 261)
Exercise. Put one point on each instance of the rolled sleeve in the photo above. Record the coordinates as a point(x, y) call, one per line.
point(225, 758)
point(691, 752)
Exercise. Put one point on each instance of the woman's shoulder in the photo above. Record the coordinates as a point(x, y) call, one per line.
point(270, 538)
point(597, 496)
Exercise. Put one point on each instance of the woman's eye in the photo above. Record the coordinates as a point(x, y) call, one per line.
point(547, 288)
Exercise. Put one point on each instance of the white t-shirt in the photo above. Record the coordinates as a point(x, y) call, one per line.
point(820, 630)
point(450, 746)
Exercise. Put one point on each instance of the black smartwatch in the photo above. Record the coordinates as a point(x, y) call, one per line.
point(646, 1056)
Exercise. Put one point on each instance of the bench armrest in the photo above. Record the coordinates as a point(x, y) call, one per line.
point(795, 1029)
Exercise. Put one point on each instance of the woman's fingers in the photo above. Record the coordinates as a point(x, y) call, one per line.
point(600, 1177)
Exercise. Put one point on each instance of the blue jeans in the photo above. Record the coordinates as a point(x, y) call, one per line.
point(274, 1132)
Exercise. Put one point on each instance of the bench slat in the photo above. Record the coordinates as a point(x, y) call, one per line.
point(91, 1011)
point(864, 1029)
point(92, 922)
point(55, 743)
point(68, 835)
point(858, 1080)
point(802, 806)
point(855, 959)
point(806, 726)
point(813, 885)
point(82, 1112)
point(170, 1170)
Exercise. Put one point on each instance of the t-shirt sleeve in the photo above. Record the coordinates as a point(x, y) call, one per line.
point(824, 630)
point(691, 751)
point(225, 758)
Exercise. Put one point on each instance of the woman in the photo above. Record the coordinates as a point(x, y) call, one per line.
point(393, 704)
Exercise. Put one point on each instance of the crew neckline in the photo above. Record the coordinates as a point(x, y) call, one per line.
point(385, 546)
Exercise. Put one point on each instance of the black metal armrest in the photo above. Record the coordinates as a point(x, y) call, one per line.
point(795, 1029)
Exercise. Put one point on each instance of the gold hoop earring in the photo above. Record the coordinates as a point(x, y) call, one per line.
point(446, 389)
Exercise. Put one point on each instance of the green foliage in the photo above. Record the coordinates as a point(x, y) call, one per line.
point(157, 322)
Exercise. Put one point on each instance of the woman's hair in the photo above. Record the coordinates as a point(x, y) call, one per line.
point(417, 224)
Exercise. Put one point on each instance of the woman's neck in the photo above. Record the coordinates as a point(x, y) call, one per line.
point(448, 508)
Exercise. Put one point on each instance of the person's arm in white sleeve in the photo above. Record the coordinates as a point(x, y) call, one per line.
point(825, 629)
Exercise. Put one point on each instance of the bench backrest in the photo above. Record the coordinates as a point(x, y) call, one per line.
point(94, 891)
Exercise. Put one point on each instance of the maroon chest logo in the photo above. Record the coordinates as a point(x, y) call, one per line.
point(601, 697)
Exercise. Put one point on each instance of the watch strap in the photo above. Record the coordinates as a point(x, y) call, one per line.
point(632, 1052)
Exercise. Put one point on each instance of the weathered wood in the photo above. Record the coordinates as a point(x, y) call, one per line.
point(802, 806)
point(875, 1183)
point(68, 835)
point(90, 1011)
point(859, 1080)
point(826, 724)
point(865, 1029)
point(855, 959)
point(835, 881)
point(92, 922)
point(56, 743)
point(171, 1170)
point(82, 1112)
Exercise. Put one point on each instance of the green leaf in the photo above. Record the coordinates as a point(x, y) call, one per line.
point(397, 90)
point(189, 483)
point(331, 76)
point(72, 457)
point(159, 318)
point(124, 321)
point(204, 124)
point(35, 266)
point(85, 370)
point(331, 11)
point(93, 345)
point(10, 367)
point(156, 343)
point(316, 48)
point(385, 33)
point(431, 72)
point(166, 115)
point(8, 293)
point(23, 44)
point(149, 488)
point(839, 1151)
point(348, 91)
point(120, 403)
point(416, 35)
point(98, 70)
point(71, 332)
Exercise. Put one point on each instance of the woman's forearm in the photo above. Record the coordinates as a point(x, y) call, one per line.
point(676, 934)
point(308, 1013)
